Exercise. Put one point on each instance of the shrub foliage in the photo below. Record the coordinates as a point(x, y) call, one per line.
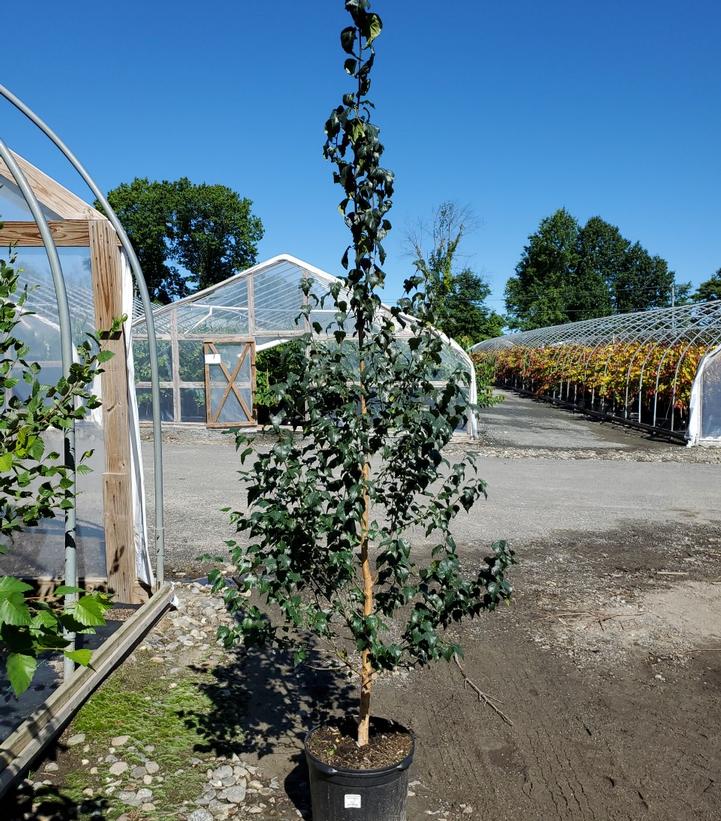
point(36, 484)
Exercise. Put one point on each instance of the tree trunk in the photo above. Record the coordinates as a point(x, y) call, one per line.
point(366, 666)
point(366, 673)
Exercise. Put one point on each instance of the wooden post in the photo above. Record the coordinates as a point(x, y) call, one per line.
point(117, 484)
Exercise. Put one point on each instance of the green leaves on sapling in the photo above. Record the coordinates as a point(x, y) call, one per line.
point(35, 484)
point(300, 536)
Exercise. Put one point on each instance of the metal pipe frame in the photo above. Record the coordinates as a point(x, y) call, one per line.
point(149, 318)
point(653, 330)
point(66, 355)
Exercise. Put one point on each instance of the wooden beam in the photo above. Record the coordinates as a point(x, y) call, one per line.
point(117, 483)
point(51, 194)
point(26, 743)
point(66, 232)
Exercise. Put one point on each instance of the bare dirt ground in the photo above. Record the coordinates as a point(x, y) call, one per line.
point(608, 662)
point(609, 665)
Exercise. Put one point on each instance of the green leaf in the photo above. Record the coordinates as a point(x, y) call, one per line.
point(64, 590)
point(80, 656)
point(88, 610)
point(347, 39)
point(372, 28)
point(36, 449)
point(9, 585)
point(14, 610)
point(21, 669)
point(6, 462)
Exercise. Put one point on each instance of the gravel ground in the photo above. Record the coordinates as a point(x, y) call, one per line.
point(571, 474)
point(128, 779)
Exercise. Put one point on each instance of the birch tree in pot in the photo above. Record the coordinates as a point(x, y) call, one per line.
point(326, 554)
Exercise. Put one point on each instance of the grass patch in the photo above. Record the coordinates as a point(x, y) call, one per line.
point(135, 701)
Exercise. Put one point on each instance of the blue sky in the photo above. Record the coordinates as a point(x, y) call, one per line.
point(511, 108)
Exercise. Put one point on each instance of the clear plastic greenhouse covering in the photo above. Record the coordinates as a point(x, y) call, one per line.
point(41, 553)
point(207, 342)
point(659, 369)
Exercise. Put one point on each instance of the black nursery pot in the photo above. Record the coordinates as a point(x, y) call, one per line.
point(339, 794)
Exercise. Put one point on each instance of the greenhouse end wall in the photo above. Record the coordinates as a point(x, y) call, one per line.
point(257, 309)
point(110, 532)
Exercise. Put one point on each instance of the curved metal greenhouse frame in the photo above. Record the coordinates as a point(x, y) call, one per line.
point(63, 300)
point(659, 370)
point(260, 307)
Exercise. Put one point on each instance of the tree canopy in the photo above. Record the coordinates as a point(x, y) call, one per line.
point(457, 295)
point(187, 236)
point(542, 290)
point(709, 289)
point(568, 273)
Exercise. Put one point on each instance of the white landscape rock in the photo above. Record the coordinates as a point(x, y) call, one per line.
point(76, 739)
point(125, 771)
point(236, 794)
point(200, 815)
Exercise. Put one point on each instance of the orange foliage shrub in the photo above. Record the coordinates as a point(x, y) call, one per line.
point(613, 372)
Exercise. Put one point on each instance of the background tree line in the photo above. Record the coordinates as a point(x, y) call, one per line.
point(570, 272)
point(189, 236)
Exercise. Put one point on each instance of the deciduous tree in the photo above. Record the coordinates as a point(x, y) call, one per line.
point(568, 273)
point(458, 295)
point(333, 513)
point(710, 289)
point(186, 236)
point(540, 292)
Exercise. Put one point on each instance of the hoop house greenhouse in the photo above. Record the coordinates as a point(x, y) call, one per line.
point(111, 533)
point(74, 516)
point(207, 342)
point(659, 369)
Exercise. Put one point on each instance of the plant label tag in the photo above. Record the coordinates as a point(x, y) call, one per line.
point(212, 359)
point(352, 802)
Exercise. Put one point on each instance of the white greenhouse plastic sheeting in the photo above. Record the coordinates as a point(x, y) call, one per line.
point(43, 546)
point(144, 566)
point(262, 303)
point(704, 427)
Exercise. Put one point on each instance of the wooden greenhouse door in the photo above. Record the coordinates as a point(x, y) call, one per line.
point(229, 382)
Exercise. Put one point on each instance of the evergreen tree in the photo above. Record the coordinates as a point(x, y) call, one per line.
point(710, 289)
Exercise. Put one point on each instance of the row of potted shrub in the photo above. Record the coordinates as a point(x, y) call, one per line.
point(608, 377)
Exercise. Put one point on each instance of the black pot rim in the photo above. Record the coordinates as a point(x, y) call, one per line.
point(404, 764)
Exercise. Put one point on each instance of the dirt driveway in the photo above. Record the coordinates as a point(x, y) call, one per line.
point(608, 662)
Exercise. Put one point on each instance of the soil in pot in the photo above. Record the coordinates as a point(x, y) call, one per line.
point(335, 745)
point(351, 783)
